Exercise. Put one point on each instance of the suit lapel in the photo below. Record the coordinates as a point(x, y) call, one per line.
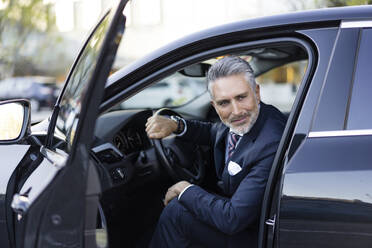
point(243, 144)
point(219, 156)
point(220, 149)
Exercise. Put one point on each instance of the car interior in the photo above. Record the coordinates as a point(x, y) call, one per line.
point(136, 171)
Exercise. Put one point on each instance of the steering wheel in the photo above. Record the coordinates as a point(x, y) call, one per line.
point(182, 160)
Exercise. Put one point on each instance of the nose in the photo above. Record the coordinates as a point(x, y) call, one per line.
point(236, 109)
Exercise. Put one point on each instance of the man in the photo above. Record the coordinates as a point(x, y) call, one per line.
point(244, 147)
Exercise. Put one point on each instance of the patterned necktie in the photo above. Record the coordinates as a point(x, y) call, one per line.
point(233, 140)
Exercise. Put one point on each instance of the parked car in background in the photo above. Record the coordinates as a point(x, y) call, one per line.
point(89, 176)
point(42, 91)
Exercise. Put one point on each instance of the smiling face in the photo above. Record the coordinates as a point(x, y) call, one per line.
point(235, 102)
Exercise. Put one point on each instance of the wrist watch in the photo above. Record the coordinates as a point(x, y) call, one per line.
point(179, 122)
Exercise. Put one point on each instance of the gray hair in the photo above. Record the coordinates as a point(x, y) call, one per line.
point(228, 66)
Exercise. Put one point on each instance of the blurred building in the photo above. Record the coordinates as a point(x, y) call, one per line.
point(160, 21)
point(154, 23)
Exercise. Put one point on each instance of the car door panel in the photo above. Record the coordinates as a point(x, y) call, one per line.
point(58, 211)
point(10, 159)
point(54, 193)
point(326, 200)
point(71, 210)
point(298, 125)
point(318, 196)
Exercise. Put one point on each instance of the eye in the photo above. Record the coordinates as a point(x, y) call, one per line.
point(222, 103)
point(241, 97)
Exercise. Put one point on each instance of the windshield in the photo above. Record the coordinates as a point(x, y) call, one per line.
point(77, 85)
point(172, 91)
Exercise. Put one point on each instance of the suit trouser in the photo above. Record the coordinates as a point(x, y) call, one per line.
point(177, 227)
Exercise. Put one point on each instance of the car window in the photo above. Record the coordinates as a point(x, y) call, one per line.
point(333, 102)
point(279, 69)
point(172, 91)
point(279, 86)
point(74, 93)
point(360, 111)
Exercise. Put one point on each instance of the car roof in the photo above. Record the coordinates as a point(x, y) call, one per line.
point(327, 17)
point(296, 19)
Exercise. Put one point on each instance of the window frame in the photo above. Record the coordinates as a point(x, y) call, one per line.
point(359, 94)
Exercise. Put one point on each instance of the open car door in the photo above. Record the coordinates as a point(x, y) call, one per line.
point(52, 196)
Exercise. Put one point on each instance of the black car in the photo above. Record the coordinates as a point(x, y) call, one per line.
point(88, 176)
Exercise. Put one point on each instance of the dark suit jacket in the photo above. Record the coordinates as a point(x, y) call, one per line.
point(237, 214)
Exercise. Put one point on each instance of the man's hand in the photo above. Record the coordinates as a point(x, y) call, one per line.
point(158, 127)
point(174, 191)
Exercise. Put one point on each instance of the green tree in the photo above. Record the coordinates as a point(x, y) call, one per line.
point(309, 4)
point(20, 22)
point(339, 3)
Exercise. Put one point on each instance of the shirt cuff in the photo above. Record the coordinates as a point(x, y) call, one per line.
point(184, 128)
point(179, 196)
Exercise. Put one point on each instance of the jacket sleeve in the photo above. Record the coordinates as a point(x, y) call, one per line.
point(199, 132)
point(231, 215)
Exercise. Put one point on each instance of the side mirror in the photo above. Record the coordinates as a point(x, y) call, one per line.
point(14, 121)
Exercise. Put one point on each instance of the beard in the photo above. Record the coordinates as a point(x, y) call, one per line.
point(246, 127)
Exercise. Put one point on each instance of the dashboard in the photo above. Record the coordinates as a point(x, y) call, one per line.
point(122, 149)
point(131, 139)
point(124, 129)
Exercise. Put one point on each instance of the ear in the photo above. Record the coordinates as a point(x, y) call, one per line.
point(257, 91)
point(213, 104)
